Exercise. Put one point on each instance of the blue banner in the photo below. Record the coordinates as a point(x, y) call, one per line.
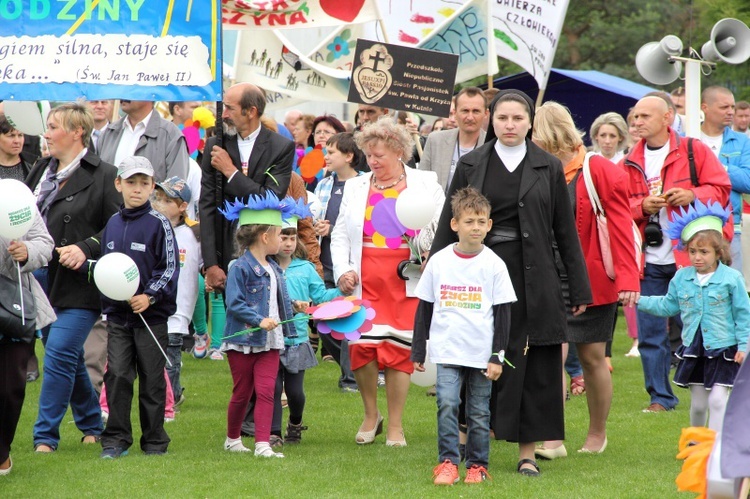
point(61, 50)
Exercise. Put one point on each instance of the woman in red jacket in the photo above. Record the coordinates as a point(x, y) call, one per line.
point(555, 132)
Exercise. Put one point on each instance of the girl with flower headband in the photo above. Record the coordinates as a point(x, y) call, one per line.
point(257, 301)
point(304, 285)
point(715, 309)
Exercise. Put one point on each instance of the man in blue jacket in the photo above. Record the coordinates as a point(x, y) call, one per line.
point(732, 149)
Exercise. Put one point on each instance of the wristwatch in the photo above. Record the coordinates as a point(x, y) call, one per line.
point(151, 300)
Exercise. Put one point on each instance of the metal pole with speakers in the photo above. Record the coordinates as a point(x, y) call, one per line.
point(660, 63)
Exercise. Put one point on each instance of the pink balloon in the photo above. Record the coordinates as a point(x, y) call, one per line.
point(336, 335)
point(192, 137)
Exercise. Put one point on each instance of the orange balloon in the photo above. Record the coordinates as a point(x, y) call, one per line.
point(310, 164)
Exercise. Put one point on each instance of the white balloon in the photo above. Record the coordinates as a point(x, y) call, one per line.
point(429, 376)
point(27, 116)
point(117, 277)
point(414, 208)
point(17, 209)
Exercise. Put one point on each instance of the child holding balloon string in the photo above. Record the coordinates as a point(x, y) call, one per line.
point(305, 285)
point(257, 302)
point(137, 329)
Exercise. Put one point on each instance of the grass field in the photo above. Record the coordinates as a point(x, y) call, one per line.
point(638, 463)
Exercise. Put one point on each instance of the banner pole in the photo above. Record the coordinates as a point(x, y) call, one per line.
point(539, 98)
point(380, 22)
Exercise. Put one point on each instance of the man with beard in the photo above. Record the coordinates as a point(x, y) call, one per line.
point(143, 132)
point(253, 160)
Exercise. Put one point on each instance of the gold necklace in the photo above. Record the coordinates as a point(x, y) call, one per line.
point(384, 187)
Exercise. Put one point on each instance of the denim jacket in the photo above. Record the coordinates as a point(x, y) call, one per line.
point(721, 308)
point(248, 297)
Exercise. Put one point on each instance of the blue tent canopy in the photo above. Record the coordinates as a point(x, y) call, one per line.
point(586, 93)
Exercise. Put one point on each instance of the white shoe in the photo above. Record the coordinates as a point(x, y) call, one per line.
point(633, 352)
point(215, 354)
point(265, 450)
point(201, 348)
point(235, 445)
point(7, 471)
point(105, 417)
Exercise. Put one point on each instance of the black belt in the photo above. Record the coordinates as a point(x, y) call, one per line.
point(499, 235)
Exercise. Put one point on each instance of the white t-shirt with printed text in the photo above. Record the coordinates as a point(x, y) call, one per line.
point(463, 291)
point(191, 262)
point(654, 159)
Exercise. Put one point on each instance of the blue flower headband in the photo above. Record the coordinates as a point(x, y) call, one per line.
point(265, 210)
point(697, 217)
point(297, 210)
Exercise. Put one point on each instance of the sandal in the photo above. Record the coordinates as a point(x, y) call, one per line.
point(577, 385)
point(368, 437)
point(43, 449)
point(528, 471)
point(90, 439)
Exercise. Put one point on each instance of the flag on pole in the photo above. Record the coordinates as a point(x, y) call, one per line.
point(528, 34)
point(467, 32)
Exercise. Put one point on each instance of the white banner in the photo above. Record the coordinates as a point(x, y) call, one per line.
point(268, 63)
point(295, 14)
point(527, 33)
point(468, 34)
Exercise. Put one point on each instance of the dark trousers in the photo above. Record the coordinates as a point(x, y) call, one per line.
point(293, 385)
point(131, 352)
point(13, 359)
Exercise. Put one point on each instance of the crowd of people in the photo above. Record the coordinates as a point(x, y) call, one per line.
point(535, 241)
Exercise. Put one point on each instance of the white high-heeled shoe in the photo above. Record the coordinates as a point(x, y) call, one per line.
point(368, 437)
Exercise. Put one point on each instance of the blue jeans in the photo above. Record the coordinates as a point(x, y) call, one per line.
point(572, 363)
point(478, 388)
point(653, 338)
point(65, 379)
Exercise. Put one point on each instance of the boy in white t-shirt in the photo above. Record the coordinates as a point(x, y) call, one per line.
point(465, 294)
point(171, 199)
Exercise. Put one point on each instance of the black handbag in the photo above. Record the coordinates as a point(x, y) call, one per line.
point(11, 324)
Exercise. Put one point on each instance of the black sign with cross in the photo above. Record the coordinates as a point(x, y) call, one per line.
point(403, 78)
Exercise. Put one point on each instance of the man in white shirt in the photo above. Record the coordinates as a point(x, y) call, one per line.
point(250, 161)
point(102, 111)
point(660, 183)
point(733, 150)
point(444, 148)
point(143, 132)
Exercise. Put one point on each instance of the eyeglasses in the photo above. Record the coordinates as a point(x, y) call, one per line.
point(321, 133)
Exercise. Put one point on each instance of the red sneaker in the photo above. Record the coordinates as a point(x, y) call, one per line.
point(445, 473)
point(477, 474)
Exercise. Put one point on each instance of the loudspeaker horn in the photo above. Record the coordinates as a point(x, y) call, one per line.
point(653, 60)
point(730, 42)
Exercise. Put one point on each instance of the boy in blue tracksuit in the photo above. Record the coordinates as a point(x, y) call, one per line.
point(146, 236)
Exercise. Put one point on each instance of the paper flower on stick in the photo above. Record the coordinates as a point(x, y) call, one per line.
point(382, 223)
point(695, 218)
point(343, 317)
point(311, 164)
